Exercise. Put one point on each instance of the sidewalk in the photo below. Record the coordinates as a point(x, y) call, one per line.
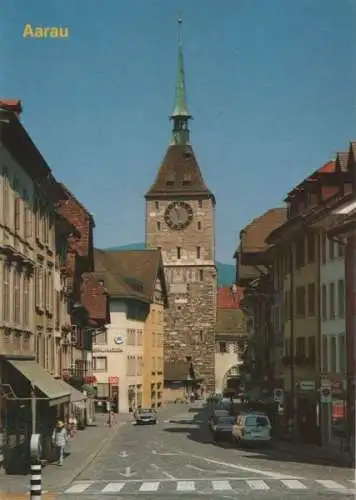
point(313, 452)
point(83, 449)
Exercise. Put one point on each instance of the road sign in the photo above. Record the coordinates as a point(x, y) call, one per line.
point(278, 395)
point(114, 380)
point(325, 394)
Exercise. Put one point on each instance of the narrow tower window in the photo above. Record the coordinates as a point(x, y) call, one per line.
point(199, 225)
point(198, 252)
point(200, 203)
point(158, 225)
point(178, 253)
point(201, 275)
point(157, 205)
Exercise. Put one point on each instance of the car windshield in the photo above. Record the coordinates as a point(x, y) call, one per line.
point(226, 420)
point(145, 410)
point(256, 421)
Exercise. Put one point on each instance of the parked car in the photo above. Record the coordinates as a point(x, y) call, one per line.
point(145, 416)
point(218, 412)
point(252, 428)
point(222, 428)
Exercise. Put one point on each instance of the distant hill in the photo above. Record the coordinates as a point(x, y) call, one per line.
point(226, 272)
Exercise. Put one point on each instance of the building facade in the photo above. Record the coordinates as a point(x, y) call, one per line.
point(180, 220)
point(132, 348)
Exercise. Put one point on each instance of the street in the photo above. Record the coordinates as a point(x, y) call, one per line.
point(177, 458)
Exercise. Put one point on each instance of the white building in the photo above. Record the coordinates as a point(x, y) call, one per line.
point(333, 333)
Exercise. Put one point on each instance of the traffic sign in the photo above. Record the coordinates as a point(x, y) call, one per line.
point(278, 395)
point(325, 394)
point(114, 380)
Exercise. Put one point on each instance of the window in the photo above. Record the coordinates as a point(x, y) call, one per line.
point(198, 253)
point(17, 296)
point(286, 306)
point(311, 348)
point(157, 205)
point(332, 300)
point(37, 219)
point(6, 292)
point(101, 338)
point(300, 346)
point(179, 253)
point(331, 250)
point(300, 253)
point(199, 225)
point(201, 275)
point(341, 298)
point(27, 216)
point(325, 364)
point(201, 336)
point(17, 212)
point(342, 354)
point(200, 203)
point(100, 364)
point(300, 301)
point(323, 248)
point(324, 313)
point(222, 347)
point(158, 225)
point(26, 300)
point(6, 198)
point(311, 248)
point(311, 299)
point(333, 358)
point(50, 291)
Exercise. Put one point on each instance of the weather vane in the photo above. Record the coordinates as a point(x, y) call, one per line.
point(179, 21)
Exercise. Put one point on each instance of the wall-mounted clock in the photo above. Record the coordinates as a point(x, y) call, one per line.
point(178, 215)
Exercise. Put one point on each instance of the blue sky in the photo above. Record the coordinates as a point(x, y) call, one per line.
point(271, 85)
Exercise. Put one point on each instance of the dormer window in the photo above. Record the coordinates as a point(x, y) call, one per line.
point(187, 180)
point(170, 180)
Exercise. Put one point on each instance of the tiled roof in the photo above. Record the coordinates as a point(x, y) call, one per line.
point(94, 298)
point(179, 174)
point(14, 105)
point(68, 194)
point(230, 322)
point(255, 233)
point(227, 299)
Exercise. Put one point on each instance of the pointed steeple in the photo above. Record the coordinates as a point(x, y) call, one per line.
point(180, 115)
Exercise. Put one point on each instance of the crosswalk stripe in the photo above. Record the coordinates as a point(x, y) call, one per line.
point(185, 486)
point(293, 484)
point(257, 484)
point(79, 488)
point(221, 486)
point(330, 485)
point(149, 486)
point(113, 488)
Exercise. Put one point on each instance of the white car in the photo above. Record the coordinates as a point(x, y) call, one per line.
point(252, 427)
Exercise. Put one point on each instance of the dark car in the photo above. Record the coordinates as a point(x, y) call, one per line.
point(220, 412)
point(222, 428)
point(145, 416)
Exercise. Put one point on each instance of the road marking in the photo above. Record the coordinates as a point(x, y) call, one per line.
point(272, 475)
point(167, 474)
point(149, 487)
point(196, 468)
point(113, 488)
point(123, 454)
point(185, 486)
point(221, 486)
point(79, 488)
point(330, 485)
point(257, 484)
point(127, 472)
point(292, 484)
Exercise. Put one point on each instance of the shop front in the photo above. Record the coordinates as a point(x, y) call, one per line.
point(32, 401)
point(307, 417)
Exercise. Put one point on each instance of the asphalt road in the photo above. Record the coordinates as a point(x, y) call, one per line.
point(176, 459)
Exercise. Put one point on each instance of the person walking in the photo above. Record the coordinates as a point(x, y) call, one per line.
point(73, 424)
point(59, 439)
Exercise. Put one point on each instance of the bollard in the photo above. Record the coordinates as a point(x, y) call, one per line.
point(36, 481)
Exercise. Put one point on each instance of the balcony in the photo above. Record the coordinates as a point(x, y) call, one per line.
point(17, 343)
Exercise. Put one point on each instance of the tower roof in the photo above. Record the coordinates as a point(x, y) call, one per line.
point(179, 175)
point(180, 104)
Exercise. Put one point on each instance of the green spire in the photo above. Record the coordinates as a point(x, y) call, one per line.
point(180, 115)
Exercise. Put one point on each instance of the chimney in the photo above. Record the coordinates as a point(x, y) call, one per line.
point(13, 105)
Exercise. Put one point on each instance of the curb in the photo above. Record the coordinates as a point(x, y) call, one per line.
point(94, 454)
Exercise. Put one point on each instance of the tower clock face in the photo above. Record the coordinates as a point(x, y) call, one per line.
point(178, 215)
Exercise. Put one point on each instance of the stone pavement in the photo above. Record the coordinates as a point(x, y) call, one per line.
point(83, 449)
point(309, 452)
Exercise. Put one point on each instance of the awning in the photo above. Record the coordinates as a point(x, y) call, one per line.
point(75, 395)
point(55, 392)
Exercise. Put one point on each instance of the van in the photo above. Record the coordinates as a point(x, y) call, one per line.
point(252, 428)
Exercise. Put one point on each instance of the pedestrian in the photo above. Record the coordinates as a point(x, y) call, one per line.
point(59, 439)
point(73, 424)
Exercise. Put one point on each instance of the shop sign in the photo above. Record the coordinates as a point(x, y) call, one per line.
point(325, 395)
point(278, 395)
point(306, 385)
point(113, 380)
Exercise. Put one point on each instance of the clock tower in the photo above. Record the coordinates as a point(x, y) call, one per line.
point(180, 220)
